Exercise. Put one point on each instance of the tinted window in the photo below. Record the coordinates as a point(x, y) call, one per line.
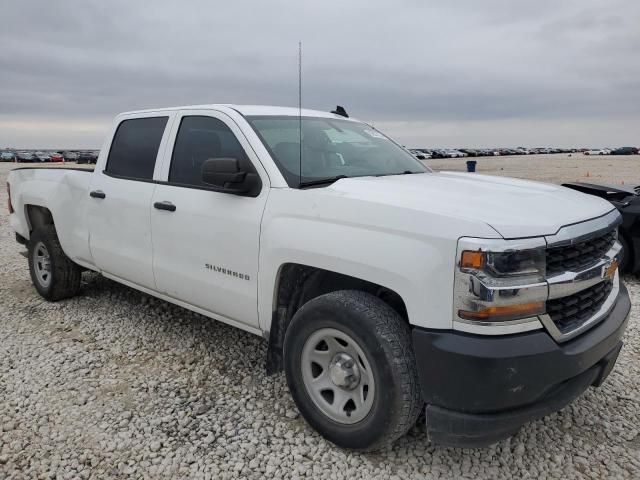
point(135, 147)
point(199, 139)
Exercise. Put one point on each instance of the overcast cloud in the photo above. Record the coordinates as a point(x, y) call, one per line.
point(459, 73)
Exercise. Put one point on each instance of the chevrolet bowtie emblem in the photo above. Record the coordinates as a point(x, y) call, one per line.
point(609, 271)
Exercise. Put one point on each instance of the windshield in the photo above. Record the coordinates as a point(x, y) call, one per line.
point(331, 148)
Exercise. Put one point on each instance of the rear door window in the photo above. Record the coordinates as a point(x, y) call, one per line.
point(135, 147)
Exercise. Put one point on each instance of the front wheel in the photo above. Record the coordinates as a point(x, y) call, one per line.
point(351, 370)
point(53, 274)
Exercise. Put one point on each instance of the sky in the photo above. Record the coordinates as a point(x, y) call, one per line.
point(461, 73)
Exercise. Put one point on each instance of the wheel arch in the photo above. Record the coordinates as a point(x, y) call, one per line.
point(36, 216)
point(296, 284)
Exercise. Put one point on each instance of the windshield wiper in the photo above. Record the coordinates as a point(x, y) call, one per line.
point(406, 172)
point(322, 181)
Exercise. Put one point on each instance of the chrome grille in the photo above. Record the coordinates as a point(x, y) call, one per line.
point(569, 313)
point(575, 257)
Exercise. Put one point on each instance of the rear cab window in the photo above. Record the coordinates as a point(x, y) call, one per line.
point(135, 147)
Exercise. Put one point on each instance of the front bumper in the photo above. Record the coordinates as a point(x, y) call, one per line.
point(480, 389)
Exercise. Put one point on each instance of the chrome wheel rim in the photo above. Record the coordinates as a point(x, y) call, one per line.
point(42, 264)
point(337, 376)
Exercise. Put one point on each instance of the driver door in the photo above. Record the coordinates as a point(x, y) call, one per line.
point(206, 243)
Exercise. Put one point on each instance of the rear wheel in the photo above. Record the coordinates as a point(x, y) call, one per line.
point(351, 369)
point(53, 274)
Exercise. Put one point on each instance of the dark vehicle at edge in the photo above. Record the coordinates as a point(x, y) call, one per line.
point(627, 201)
point(625, 151)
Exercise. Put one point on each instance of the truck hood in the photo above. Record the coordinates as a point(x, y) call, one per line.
point(514, 208)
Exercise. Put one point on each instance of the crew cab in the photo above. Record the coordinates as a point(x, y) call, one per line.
point(382, 288)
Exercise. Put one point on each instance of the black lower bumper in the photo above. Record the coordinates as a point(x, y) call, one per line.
point(480, 389)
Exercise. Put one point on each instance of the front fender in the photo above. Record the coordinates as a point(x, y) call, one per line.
point(401, 251)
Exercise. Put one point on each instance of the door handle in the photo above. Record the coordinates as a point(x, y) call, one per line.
point(97, 194)
point(168, 206)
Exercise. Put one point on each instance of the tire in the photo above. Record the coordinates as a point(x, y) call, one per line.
point(626, 255)
point(53, 274)
point(362, 327)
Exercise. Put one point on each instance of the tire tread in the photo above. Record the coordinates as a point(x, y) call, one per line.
point(395, 331)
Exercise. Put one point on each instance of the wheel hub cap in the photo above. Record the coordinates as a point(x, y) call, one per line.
point(344, 371)
point(337, 375)
point(42, 264)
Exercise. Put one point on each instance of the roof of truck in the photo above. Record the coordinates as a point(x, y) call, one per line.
point(249, 110)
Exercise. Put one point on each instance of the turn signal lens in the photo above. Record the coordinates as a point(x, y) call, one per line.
point(610, 271)
point(472, 259)
point(504, 313)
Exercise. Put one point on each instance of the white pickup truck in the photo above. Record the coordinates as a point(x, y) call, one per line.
point(383, 289)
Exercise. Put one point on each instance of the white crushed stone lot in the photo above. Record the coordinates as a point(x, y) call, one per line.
point(116, 384)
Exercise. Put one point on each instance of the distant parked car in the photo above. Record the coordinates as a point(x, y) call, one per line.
point(87, 157)
point(42, 156)
point(437, 153)
point(84, 157)
point(599, 151)
point(419, 154)
point(625, 151)
point(57, 157)
point(453, 153)
point(70, 156)
point(7, 157)
point(27, 157)
point(471, 152)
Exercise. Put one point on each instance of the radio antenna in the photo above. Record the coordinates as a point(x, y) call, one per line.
point(300, 108)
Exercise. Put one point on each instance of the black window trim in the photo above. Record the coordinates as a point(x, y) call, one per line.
point(168, 184)
point(158, 153)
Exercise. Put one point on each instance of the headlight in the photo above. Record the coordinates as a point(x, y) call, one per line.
point(515, 263)
point(500, 281)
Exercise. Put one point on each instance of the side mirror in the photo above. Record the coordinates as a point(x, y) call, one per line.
point(224, 175)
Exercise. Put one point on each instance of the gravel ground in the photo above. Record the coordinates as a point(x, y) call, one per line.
point(117, 384)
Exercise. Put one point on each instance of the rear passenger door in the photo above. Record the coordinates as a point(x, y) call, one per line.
point(205, 243)
point(120, 199)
